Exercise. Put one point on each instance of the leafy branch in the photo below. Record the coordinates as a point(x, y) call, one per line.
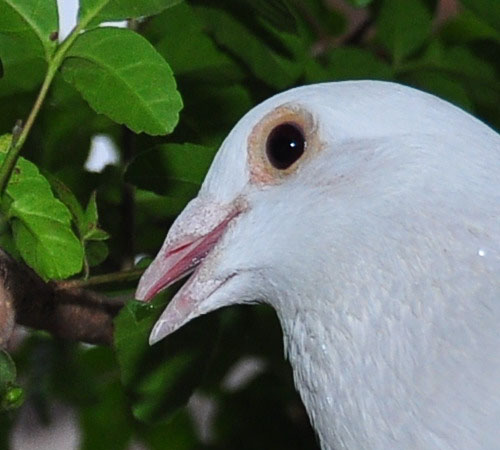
point(21, 131)
point(89, 13)
point(121, 75)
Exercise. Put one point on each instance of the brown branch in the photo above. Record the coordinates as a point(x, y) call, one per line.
point(71, 313)
point(7, 319)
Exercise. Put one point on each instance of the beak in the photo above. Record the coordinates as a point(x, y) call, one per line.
point(191, 238)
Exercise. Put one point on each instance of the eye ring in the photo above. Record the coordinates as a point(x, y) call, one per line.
point(285, 144)
point(263, 170)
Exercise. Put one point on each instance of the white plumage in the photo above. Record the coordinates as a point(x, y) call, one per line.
point(379, 248)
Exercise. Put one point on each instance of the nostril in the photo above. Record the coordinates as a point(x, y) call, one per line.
point(178, 249)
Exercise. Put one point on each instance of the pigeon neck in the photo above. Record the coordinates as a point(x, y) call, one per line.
point(357, 404)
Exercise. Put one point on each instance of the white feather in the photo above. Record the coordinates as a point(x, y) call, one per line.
point(381, 256)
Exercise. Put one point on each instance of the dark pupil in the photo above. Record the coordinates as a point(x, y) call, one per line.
point(285, 145)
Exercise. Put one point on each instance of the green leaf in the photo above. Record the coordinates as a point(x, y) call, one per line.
point(86, 223)
point(443, 86)
point(23, 65)
point(403, 26)
point(488, 10)
point(188, 49)
point(178, 433)
point(121, 75)
point(96, 252)
point(97, 11)
point(7, 370)
point(105, 418)
point(176, 170)
point(7, 242)
point(326, 17)
point(91, 214)
point(458, 62)
point(267, 19)
point(231, 103)
point(67, 131)
point(64, 194)
point(265, 62)
point(152, 208)
point(467, 27)
point(5, 140)
point(41, 224)
point(13, 398)
point(91, 230)
point(45, 239)
point(33, 22)
point(25, 42)
point(360, 3)
point(161, 378)
point(277, 13)
point(96, 234)
point(11, 395)
point(463, 63)
point(356, 64)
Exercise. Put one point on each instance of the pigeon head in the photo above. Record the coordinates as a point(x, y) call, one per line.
point(366, 213)
point(304, 183)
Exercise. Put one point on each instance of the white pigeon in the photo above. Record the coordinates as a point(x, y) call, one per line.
point(368, 215)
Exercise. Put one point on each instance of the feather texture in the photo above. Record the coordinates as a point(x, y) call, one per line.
point(379, 250)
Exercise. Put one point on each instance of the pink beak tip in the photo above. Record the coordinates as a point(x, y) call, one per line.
point(145, 292)
point(173, 263)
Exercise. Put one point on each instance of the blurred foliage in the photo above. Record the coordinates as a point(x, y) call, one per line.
point(11, 395)
point(191, 69)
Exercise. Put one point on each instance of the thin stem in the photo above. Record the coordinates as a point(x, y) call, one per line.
point(18, 141)
point(99, 280)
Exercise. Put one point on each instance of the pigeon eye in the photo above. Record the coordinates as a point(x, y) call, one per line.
point(285, 145)
point(282, 137)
